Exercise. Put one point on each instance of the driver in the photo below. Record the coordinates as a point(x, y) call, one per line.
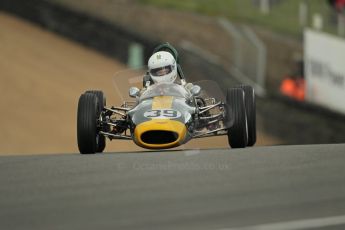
point(162, 67)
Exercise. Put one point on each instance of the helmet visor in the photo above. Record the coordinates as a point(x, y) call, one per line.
point(162, 71)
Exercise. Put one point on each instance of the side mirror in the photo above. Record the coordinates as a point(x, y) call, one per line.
point(195, 90)
point(134, 92)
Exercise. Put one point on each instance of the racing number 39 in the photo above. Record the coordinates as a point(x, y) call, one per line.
point(167, 113)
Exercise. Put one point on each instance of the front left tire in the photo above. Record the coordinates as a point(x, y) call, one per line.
point(236, 118)
point(250, 104)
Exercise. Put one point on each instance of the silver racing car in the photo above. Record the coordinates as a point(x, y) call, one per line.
point(167, 115)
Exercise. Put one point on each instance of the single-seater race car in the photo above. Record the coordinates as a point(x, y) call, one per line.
point(166, 115)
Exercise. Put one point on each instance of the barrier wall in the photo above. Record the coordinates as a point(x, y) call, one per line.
point(108, 38)
point(111, 40)
point(325, 70)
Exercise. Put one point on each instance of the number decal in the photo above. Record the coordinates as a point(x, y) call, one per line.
point(153, 113)
point(170, 113)
point(162, 114)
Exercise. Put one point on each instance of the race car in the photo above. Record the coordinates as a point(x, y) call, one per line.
point(167, 112)
point(167, 115)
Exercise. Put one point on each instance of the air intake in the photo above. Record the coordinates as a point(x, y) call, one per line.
point(159, 137)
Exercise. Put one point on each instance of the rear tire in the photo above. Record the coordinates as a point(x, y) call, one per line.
point(250, 104)
point(101, 98)
point(88, 114)
point(236, 116)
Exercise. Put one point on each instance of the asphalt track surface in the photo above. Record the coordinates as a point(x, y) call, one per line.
point(190, 189)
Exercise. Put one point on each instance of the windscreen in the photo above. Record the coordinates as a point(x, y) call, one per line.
point(165, 89)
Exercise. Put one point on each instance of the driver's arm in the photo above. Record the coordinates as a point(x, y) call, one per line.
point(147, 80)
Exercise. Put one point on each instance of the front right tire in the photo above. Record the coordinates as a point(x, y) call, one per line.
point(102, 102)
point(87, 121)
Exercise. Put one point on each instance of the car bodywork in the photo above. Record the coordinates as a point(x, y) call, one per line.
point(165, 115)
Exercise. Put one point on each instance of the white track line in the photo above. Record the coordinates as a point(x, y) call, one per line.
point(297, 225)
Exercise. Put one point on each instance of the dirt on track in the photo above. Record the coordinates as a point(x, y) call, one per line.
point(41, 78)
